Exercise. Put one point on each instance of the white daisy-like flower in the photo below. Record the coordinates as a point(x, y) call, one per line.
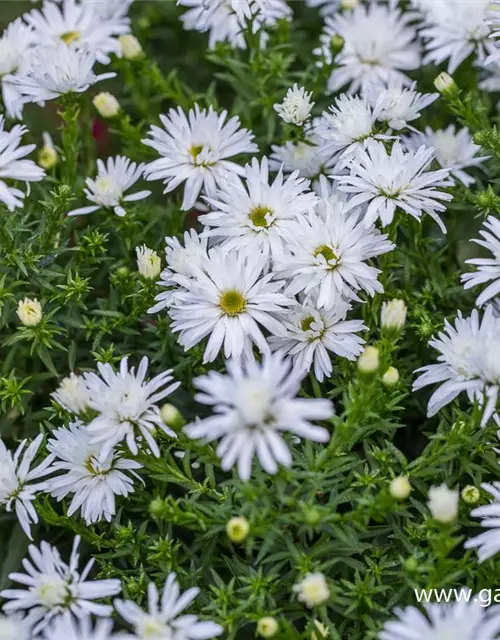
point(327, 254)
point(307, 157)
point(487, 268)
point(17, 486)
point(296, 106)
point(181, 260)
point(466, 619)
point(346, 127)
point(380, 45)
point(162, 619)
point(14, 165)
point(454, 150)
point(72, 394)
point(398, 180)
point(312, 332)
point(56, 71)
point(80, 24)
point(93, 480)
point(399, 105)
point(253, 214)
point(488, 542)
point(228, 299)
point(67, 628)
point(254, 404)
point(107, 190)
point(126, 404)
point(53, 588)
point(454, 30)
point(227, 20)
point(15, 627)
point(16, 47)
point(493, 20)
point(469, 361)
point(195, 149)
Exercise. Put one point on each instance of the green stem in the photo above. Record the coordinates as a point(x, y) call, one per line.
point(70, 139)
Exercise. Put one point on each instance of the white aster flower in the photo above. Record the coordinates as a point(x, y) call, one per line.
point(467, 619)
point(72, 394)
point(254, 404)
point(347, 127)
point(16, 48)
point(15, 627)
point(454, 150)
point(253, 214)
point(227, 20)
point(494, 23)
point(107, 190)
point(487, 268)
point(94, 481)
point(313, 332)
point(399, 105)
point(307, 157)
point(296, 106)
point(395, 180)
point(227, 299)
point(181, 260)
point(79, 24)
point(56, 71)
point(455, 29)
point(67, 628)
point(17, 489)
point(326, 256)
point(393, 314)
point(53, 588)
point(380, 44)
point(312, 590)
point(488, 542)
point(14, 166)
point(148, 262)
point(162, 620)
point(194, 149)
point(126, 404)
point(469, 361)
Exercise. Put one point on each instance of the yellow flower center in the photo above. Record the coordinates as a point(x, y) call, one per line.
point(327, 252)
point(232, 302)
point(257, 217)
point(70, 36)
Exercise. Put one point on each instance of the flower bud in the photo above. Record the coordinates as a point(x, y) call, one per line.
point(172, 417)
point(400, 488)
point(157, 507)
point(148, 262)
point(336, 43)
point(369, 360)
point(237, 529)
point(267, 627)
point(393, 314)
point(131, 47)
point(443, 503)
point(470, 494)
point(411, 564)
point(29, 312)
point(47, 155)
point(106, 104)
point(312, 590)
point(390, 377)
point(444, 83)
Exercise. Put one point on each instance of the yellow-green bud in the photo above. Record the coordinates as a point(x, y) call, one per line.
point(267, 627)
point(390, 377)
point(400, 488)
point(470, 494)
point(237, 529)
point(131, 47)
point(444, 83)
point(369, 360)
point(172, 417)
point(106, 104)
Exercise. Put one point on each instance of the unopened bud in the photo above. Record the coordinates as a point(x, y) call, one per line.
point(393, 314)
point(237, 529)
point(400, 488)
point(47, 155)
point(106, 104)
point(390, 377)
point(131, 47)
point(369, 360)
point(29, 312)
point(267, 627)
point(444, 83)
point(172, 417)
point(148, 262)
point(470, 494)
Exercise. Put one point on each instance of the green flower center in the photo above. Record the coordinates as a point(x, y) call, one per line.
point(196, 150)
point(327, 252)
point(232, 302)
point(257, 217)
point(70, 36)
point(306, 323)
